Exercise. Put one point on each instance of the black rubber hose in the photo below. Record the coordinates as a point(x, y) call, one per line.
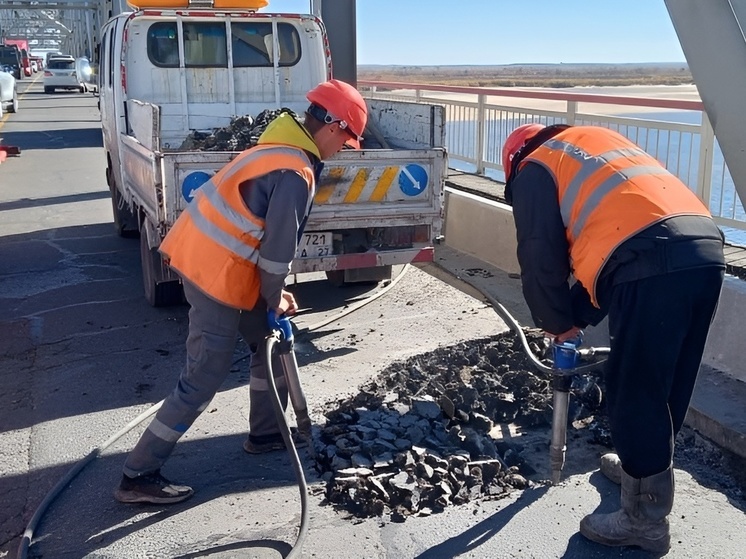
point(28, 534)
point(272, 340)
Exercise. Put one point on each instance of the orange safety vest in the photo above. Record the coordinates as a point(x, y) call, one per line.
point(215, 241)
point(609, 189)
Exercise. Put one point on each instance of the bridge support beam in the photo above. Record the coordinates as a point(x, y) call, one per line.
point(712, 39)
point(339, 17)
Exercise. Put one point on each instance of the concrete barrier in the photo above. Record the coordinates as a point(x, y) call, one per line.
point(481, 228)
point(724, 350)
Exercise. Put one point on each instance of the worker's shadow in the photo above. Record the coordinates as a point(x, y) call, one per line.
point(486, 529)
point(281, 547)
point(577, 547)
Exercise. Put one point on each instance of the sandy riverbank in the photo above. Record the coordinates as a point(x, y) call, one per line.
point(657, 92)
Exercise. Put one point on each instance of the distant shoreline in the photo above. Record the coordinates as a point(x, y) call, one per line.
point(534, 75)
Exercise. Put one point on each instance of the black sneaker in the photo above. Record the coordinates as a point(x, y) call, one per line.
point(151, 488)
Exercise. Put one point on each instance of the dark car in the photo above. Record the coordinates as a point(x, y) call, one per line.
point(11, 56)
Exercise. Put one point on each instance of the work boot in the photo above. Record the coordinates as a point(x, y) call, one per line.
point(269, 443)
point(642, 521)
point(151, 488)
point(611, 467)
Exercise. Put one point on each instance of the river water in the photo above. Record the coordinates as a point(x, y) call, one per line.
point(678, 151)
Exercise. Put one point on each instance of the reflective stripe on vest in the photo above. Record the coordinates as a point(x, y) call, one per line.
point(590, 165)
point(215, 242)
point(218, 235)
point(608, 189)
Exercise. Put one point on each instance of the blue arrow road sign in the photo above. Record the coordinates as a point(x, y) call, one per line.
point(413, 179)
point(192, 182)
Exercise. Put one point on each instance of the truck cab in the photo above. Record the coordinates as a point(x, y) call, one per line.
point(203, 68)
point(10, 56)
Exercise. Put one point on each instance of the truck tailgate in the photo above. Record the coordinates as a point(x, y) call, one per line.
point(359, 188)
point(394, 195)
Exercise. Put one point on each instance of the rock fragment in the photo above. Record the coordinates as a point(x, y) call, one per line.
point(418, 438)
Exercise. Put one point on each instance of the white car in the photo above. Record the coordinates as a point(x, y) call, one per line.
point(8, 91)
point(60, 73)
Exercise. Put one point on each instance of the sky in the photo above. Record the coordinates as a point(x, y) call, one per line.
point(447, 32)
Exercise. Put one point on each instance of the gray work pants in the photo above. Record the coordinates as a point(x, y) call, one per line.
point(213, 330)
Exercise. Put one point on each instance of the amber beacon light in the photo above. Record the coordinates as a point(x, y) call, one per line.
point(195, 4)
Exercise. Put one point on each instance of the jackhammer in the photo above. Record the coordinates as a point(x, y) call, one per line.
point(565, 364)
point(565, 357)
point(281, 339)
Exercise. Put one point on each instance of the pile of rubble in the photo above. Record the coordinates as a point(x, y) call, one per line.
point(242, 133)
point(425, 433)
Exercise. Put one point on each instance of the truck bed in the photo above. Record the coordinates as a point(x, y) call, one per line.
point(370, 201)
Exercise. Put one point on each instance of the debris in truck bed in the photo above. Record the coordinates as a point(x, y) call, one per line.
point(425, 433)
point(242, 133)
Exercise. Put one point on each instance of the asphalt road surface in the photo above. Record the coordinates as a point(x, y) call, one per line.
point(83, 354)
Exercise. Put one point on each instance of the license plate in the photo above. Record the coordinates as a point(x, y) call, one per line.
point(315, 244)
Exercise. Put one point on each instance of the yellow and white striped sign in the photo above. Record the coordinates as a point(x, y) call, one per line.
point(353, 184)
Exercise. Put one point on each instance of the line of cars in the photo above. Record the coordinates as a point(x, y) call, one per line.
point(61, 72)
point(16, 55)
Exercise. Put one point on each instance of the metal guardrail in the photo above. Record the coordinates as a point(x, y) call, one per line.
point(680, 136)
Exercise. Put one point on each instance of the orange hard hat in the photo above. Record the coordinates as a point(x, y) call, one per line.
point(515, 141)
point(344, 104)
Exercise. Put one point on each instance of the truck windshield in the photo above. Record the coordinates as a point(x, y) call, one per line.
point(253, 44)
point(205, 44)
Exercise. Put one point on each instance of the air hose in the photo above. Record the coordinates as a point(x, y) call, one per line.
point(28, 533)
point(281, 338)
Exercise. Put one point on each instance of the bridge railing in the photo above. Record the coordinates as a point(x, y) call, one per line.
point(676, 132)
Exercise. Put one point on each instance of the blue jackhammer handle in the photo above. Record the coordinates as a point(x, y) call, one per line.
point(281, 323)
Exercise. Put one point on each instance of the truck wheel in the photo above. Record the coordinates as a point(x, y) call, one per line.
point(125, 222)
point(13, 108)
point(158, 294)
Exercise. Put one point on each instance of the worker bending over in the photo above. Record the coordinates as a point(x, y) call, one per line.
point(642, 249)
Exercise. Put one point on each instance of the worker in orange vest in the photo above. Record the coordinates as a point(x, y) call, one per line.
point(233, 246)
point(643, 250)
